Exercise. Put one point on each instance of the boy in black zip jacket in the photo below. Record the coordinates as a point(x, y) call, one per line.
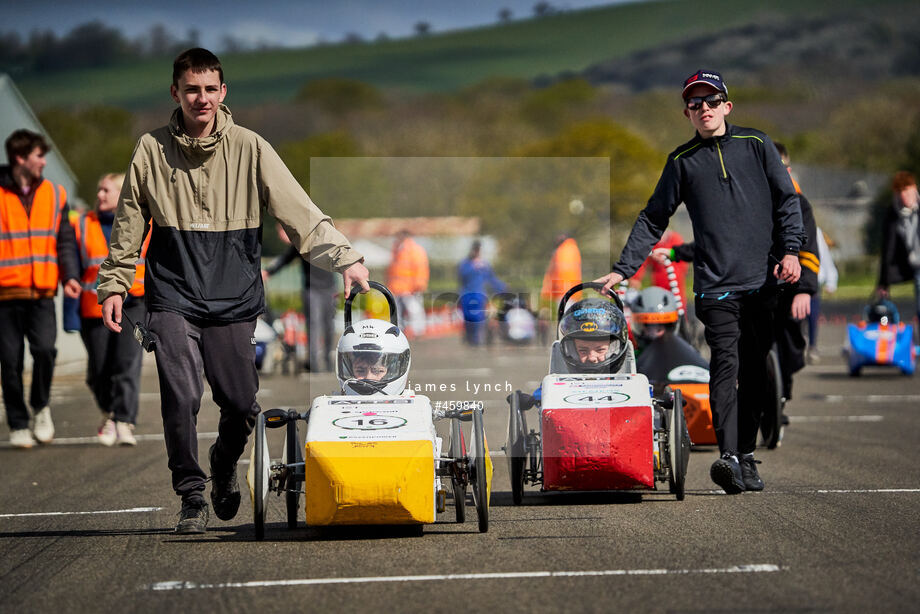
point(793, 302)
point(739, 197)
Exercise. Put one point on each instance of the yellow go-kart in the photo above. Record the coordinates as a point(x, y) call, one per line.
point(371, 455)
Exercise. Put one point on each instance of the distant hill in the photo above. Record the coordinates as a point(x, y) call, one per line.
point(858, 46)
point(566, 42)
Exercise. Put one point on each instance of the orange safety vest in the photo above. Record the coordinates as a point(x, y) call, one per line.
point(28, 243)
point(93, 251)
point(408, 271)
point(564, 271)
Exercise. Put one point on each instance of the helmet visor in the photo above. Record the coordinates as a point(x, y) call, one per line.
point(592, 352)
point(372, 365)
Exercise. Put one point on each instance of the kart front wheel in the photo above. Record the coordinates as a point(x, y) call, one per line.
point(516, 449)
point(678, 446)
point(457, 451)
point(258, 477)
point(479, 477)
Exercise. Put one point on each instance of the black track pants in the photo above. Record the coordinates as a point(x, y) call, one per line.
point(226, 353)
point(113, 366)
point(20, 320)
point(739, 331)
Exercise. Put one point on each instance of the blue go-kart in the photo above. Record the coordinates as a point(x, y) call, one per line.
point(880, 339)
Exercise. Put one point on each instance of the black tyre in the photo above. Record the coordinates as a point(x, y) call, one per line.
point(292, 455)
point(479, 477)
point(771, 422)
point(457, 452)
point(259, 471)
point(516, 449)
point(678, 446)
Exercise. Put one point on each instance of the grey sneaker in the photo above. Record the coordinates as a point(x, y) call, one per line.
point(225, 489)
point(193, 518)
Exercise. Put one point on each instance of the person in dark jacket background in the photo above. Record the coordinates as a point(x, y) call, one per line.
point(740, 199)
point(794, 304)
point(318, 297)
point(900, 259)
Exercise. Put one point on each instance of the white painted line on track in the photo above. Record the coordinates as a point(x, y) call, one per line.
point(173, 585)
point(80, 441)
point(871, 490)
point(811, 491)
point(867, 418)
point(868, 398)
point(133, 510)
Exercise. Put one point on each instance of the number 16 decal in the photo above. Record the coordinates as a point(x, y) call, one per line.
point(369, 423)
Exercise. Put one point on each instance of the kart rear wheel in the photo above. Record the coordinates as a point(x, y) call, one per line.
point(457, 451)
point(771, 422)
point(678, 446)
point(259, 470)
point(478, 475)
point(292, 484)
point(516, 449)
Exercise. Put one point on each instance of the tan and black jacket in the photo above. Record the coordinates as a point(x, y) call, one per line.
point(206, 198)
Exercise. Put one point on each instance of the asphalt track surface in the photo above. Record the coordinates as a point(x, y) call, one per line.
point(85, 528)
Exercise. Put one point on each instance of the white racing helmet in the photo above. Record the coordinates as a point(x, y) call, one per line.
point(372, 357)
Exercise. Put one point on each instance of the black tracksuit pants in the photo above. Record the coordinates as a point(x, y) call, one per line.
point(33, 320)
point(113, 366)
point(226, 353)
point(790, 341)
point(739, 331)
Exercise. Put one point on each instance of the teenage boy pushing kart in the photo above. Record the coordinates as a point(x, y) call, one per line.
point(727, 173)
point(205, 182)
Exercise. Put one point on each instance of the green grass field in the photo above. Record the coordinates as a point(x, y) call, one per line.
point(437, 62)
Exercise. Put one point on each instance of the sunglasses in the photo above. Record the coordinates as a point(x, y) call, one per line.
point(694, 103)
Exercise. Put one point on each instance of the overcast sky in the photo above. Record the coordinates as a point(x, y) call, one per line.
point(275, 22)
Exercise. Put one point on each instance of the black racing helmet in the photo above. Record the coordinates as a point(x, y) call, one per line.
point(594, 319)
point(882, 311)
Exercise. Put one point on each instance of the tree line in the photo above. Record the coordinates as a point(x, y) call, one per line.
point(89, 45)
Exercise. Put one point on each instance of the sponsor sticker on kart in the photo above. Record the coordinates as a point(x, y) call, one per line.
point(689, 373)
point(343, 418)
point(595, 390)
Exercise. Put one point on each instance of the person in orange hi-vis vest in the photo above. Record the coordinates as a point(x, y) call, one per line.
point(407, 278)
point(36, 253)
point(113, 370)
point(563, 272)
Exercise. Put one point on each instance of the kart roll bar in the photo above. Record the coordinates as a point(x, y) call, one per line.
point(376, 285)
point(582, 286)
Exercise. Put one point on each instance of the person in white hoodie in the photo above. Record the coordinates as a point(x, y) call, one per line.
point(827, 282)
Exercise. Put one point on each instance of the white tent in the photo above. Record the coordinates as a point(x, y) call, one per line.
point(15, 113)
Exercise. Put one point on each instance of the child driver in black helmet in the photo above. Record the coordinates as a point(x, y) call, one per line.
point(594, 336)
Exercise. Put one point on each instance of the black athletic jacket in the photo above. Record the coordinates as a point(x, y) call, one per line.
point(808, 255)
point(739, 195)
